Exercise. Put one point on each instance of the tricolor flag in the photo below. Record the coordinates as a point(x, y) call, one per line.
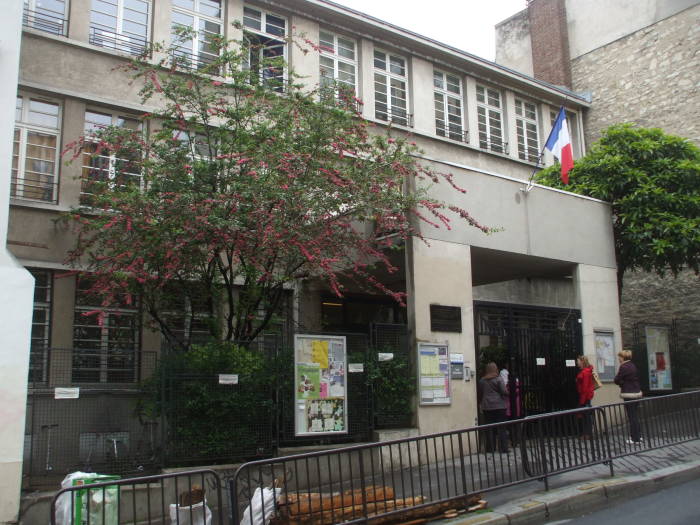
point(559, 143)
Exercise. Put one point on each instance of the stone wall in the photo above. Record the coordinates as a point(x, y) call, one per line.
point(650, 299)
point(649, 77)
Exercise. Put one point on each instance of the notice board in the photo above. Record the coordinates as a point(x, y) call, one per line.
point(434, 377)
point(320, 396)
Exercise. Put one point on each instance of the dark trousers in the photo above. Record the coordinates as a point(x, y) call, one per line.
point(496, 416)
point(587, 420)
point(632, 409)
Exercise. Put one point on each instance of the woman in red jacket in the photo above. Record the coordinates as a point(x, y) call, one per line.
point(585, 388)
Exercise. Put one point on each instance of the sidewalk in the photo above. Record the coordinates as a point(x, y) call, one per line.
point(574, 493)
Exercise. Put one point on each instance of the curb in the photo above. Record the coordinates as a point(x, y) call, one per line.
point(582, 498)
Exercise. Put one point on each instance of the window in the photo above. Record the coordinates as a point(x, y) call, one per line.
point(100, 166)
point(197, 50)
point(490, 116)
point(526, 129)
point(390, 88)
point(41, 324)
point(45, 15)
point(120, 24)
point(448, 106)
point(264, 37)
point(35, 149)
point(188, 313)
point(103, 352)
point(571, 123)
point(338, 66)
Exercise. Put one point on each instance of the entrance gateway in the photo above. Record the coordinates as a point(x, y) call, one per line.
point(537, 345)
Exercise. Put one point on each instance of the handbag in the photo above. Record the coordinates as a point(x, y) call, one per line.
point(631, 395)
point(597, 383)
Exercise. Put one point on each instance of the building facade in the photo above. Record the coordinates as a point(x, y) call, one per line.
point(636, 62)
point(484, 123)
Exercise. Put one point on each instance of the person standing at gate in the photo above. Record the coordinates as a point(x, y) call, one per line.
point(585, 388)
point(492, 395)
point(630, 390)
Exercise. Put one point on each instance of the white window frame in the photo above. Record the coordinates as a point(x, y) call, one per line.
point(486, 138)
point(279, 41)
point(111, 169)
point(101, 351)
point(572, 120)
point(22, 124)
point(43, 19)
point(338, 59)
point(116, 38)
point(404, 120)
point(197, 38)
point(38, 361)
point(527, 152)
point(446, 130)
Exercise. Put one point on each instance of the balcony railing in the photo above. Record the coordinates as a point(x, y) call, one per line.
point(45, 21)
point(40, 189)
point(461, 135)
point(131, 44)
point(186, 60)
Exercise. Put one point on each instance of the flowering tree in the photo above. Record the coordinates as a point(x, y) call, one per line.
point(249, 183)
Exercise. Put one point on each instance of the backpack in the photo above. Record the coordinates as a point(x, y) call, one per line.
point(597, 383)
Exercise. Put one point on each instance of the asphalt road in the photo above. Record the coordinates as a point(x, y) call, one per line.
point(677, 505)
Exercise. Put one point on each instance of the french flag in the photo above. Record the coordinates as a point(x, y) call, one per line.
point(559, 143)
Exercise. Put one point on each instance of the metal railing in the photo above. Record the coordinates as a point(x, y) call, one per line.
point(131, 44)
point(184, 497)
point(45, 21)
point(363, 482)
point(184, 59)
point(42, 188)
point(382, 480)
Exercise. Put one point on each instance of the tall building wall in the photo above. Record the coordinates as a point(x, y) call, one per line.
point(649, 77)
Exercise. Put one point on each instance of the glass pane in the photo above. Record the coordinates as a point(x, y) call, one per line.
point(210, 8)
point(95, 121)
point(252, 18)
point(346, 48)
point(43, 113)
point(380, 60)
point(397, 65)
point(325, 40)
point(186, 4)
point(275, 25)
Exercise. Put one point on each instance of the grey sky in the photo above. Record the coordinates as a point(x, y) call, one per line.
point(465, 24)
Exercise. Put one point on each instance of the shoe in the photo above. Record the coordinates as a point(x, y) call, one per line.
point(630, 442)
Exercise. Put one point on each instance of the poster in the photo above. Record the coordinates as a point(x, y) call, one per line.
point(659, 358)
point(434, 382)
point(319, 373)
point(605, 360)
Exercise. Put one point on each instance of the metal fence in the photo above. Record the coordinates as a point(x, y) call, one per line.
point(389, 480)
point(355, 484)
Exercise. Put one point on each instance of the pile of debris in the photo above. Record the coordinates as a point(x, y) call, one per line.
point(327, 509)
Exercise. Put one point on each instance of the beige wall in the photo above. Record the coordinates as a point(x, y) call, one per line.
point(441, 274)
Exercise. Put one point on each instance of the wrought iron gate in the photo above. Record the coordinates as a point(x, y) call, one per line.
point(534, 343)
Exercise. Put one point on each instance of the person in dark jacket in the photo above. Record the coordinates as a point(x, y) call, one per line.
point(630, 390)
point(585, 388)
point(492, 396)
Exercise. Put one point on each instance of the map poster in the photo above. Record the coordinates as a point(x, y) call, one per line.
point(320, 393)
point(434, 380)
point(658, 358)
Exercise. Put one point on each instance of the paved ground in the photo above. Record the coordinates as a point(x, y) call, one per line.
point(590, 488)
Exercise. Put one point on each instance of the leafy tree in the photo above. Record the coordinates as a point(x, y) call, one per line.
point(250, 182)
point(652, 181)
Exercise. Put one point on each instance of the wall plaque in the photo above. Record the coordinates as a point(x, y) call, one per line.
point(445, 318)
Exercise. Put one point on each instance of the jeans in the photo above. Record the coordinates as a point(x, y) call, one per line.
point(496, 416)
point(632, 408)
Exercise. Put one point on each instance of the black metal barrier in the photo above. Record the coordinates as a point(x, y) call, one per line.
point(365, 482)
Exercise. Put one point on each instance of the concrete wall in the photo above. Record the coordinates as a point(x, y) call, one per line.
point(557, 293)
point(16, 288)
point(513, 44)
point(441, 274)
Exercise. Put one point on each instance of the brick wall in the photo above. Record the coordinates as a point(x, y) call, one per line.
point(550, 41)
point(649, 77)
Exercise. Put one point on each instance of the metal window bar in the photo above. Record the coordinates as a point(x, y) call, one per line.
point(35, 187)
point(44, 21)
point(448, 131)
point(131, 44)
point(194, 61)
